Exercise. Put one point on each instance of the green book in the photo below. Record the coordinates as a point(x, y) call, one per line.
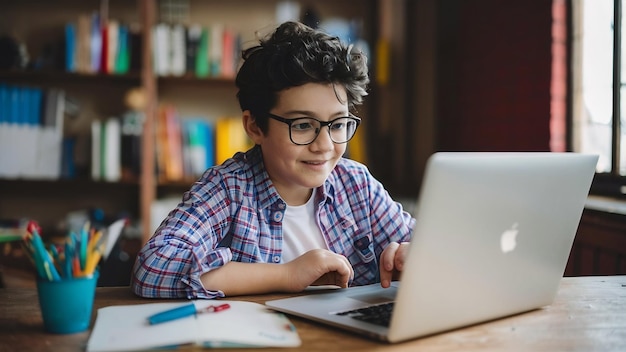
point(202, 58)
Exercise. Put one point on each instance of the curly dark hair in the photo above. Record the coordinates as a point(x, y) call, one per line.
point(293, 55)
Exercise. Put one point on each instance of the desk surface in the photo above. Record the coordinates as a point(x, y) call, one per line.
point(588, 314)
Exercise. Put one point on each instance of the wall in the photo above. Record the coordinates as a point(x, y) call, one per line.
point(467, 75)
point(494, 81)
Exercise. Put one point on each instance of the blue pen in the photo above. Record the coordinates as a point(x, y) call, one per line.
point(183, 312)
point(55, 252)
point(83, 248)
point(69, 255)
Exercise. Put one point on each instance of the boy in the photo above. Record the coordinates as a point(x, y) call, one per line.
point(290, 212)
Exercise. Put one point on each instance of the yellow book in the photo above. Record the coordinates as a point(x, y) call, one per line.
point(230, 138)
point(356, 147)
point(383, 60)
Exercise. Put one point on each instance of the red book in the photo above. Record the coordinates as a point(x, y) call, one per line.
point(105, 49)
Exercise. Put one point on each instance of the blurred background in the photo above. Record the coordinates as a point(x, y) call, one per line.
point(111, 109)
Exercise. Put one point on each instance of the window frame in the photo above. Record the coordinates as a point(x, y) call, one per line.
point(605, 183)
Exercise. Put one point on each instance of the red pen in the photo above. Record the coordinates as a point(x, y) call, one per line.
point(184, 311)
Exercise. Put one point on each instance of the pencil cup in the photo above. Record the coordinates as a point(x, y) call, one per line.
point(66, 304)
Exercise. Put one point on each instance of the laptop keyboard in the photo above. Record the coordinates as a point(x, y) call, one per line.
point(379, 314)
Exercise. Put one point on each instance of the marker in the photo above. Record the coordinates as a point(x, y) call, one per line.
point(83, 247)
point(45, 261)
point(183, 312)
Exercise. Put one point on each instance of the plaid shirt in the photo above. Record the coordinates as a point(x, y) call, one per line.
point(233, 212)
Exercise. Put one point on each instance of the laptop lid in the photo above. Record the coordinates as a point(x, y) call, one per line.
point(492, 238)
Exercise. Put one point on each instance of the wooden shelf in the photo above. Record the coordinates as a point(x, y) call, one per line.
point(77, 183)
point(190, 78)
point(49, 201)
point(40, 24)
point(58, 77)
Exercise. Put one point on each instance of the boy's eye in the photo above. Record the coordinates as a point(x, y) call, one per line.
point(338, 125)
point(302, 125)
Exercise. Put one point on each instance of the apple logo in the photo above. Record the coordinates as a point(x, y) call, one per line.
point(508, 239)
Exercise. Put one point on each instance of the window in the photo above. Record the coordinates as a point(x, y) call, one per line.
point(599, 90)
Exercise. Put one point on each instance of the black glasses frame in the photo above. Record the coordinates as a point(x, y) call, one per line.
point(290, 122)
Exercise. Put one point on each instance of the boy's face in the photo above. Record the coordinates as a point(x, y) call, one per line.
point(296, 169)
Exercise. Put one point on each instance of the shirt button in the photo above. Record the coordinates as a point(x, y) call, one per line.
point(278, 216)
point(276, 259)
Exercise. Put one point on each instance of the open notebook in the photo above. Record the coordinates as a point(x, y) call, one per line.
point(244, 324)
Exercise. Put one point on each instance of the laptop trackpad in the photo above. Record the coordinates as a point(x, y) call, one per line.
point(380, 296)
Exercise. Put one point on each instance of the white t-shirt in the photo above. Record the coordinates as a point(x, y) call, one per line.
point(300, 231)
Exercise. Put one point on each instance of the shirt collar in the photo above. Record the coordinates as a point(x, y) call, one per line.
point(267, 194)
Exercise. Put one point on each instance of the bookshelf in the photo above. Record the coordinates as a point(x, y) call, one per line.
point(39, 25)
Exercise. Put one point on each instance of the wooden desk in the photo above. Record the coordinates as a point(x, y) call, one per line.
point(589, 314)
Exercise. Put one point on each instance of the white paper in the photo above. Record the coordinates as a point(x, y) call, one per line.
point(244, 324)
point(112, 234)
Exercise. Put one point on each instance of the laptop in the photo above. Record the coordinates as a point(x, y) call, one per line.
point(492, 239)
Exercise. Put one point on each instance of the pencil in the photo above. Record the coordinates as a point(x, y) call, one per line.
point(76, 267)
point(93, 241)
point(94, 258)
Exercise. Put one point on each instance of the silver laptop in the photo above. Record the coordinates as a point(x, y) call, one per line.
point(493, 235)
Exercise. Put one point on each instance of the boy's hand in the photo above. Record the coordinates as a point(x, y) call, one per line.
point(392, 262)
point(318, 267)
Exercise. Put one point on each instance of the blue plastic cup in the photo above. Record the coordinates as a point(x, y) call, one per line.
point(66, 304)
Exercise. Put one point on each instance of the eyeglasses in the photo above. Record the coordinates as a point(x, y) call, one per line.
point(304, 130)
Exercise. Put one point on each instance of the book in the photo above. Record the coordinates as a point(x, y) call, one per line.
point(244, 324)
point(111, 155)
point(229, 53)
point(230, 138)
point(83, 44)
point(200, 142)
point(161, 49)
point(174, 147)
point(12, 230)
point(132, 129)
point(202, 54)
point(193, 35)
point(106, 150)
point(122, 59)
point(216, 49)
point(177, 50)
point(96, 42)
point(32, 129)
point(29, 131)
point(112, 45)
point(357, 147)
point(50, 143)
point(96, 146)
point(70, 47)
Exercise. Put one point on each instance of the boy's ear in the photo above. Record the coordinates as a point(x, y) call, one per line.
point(252, 129)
